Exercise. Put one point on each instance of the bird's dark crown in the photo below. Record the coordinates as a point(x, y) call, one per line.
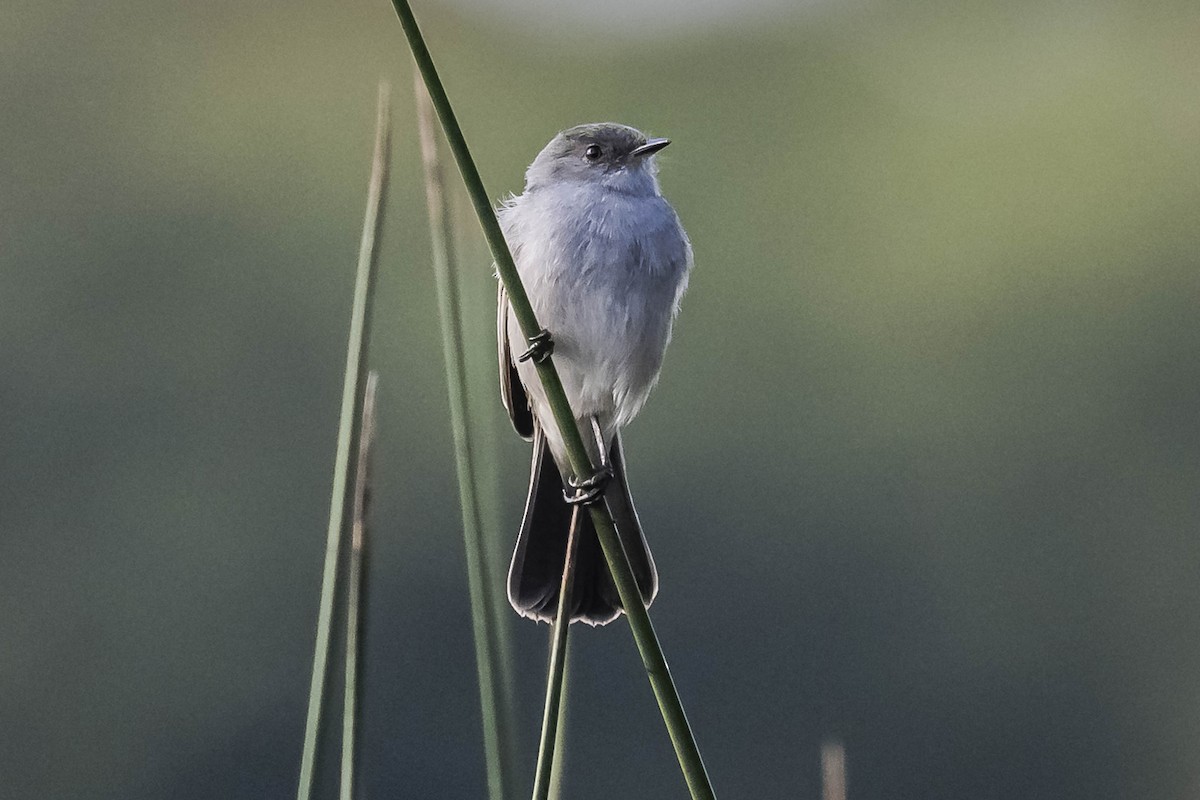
point(603, 154)
point(615, 140)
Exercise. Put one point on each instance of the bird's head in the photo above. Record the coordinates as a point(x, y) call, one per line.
point(606, 154)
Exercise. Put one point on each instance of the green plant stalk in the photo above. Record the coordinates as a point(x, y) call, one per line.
point(489, 651)
point(479, 332)
point(560, 741)
point(556, 676)
point(356, 588)
point(352, 401)
point(649, 648)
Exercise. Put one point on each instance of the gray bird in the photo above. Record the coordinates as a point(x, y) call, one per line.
point(605, 262)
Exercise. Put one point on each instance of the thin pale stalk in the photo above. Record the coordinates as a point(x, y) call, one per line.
point(833, 770)
point(489, 661)
point(555, 678)
point(356, 588)
point(682, 738)
point(479, 337)
point(560, 741)
point(352, 400)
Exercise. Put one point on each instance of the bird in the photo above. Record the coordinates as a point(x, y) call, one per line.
point(605, 262)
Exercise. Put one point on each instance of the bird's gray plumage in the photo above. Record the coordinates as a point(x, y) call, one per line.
point(605, 262)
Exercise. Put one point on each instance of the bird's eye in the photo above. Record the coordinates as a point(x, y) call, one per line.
point(593, 152)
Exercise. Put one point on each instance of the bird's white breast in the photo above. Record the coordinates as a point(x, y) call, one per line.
point(604, 271)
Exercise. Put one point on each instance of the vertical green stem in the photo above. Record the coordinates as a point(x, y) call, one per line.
point(558, 662)
point(352, 400)
point(560, 741)
point(356, 588)
point(479, 336)
point(489, 659)
point(653, 659)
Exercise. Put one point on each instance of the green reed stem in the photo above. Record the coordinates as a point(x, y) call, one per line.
point(352, 402)
point(479, 336)
point(560, 740)
point(489, 649)
point(651, 652)
point(556, 676)
point(356, 588)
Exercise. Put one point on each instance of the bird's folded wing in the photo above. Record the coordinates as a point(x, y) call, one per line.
point(512, 391)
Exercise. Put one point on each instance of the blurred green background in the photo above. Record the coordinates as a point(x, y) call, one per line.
point(921, 473)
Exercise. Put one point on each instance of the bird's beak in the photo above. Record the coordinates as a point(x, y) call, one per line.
point(651, 146)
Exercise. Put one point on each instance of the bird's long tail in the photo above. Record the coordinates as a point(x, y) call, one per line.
point(537, 564)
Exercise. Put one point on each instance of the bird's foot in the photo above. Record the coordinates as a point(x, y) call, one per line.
point(589, 491)
point(540, 347)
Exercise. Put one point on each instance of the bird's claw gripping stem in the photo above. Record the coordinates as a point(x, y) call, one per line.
point(540, 347)
point(589, 491)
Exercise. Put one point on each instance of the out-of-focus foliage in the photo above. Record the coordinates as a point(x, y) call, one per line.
point(921, 472)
